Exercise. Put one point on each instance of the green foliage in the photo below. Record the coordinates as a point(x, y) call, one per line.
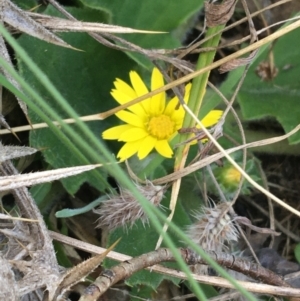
point(149, 15)
point(228, 177)
point(278, 97)
point(297, 252)
point(134, 242)
point(84, 78)
point(72, 212)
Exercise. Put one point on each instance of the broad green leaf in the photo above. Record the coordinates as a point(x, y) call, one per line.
point(137, 241)
point(85, 79)
point(158, 15)
point(141, 291)
point(212, 99)
point(280, 96)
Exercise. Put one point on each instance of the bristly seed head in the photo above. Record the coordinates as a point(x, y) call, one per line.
point(124, 210)
point(213, 231)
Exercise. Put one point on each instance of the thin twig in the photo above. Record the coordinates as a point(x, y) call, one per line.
point(277, 223)
point(126, 269)
point(216, 281)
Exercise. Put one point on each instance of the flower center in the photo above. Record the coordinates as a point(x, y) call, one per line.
point(161, 127)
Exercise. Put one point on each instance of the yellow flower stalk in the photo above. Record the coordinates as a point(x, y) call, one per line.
point(152, 123)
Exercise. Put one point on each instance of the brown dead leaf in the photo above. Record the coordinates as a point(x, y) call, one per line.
point(217, 14)
point(266, 71)
point(64, 25)
point(233, 64)
point(77, 274)
point(19, 19)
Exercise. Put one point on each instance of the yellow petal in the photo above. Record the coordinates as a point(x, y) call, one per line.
point(116, 131)
point(178, 115)
point(172, 105)
point(163, 148)
point(130, 118)
point(175, 110)
point(195, 141)
point(212, 118)
point(125, 88)
point(158, 101)
point(138, 84)
point(121, 97)
point(140, 89)
point(133, 134)
point(187, 92)
point(128, 150)
point(146, 147)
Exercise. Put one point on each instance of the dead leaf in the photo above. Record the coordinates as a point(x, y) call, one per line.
point(64, 25)
point(217, 14)
point(19, 19)
point(235, 63)
point(8, 286)
point(77, 274)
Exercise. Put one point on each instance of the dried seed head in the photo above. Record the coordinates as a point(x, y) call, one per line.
point(213, 230)
point(123, 210)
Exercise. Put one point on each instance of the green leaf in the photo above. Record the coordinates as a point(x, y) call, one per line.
point(208, 290)
point(84, 78)
point(26, 5)
point(141, 291)
point(279, 97)
point(40, 192)
point(212, 99)
point(158, 15)
point(137, 241)
point(297, 252)
point(72, 212)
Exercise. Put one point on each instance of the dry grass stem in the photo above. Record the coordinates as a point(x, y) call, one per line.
point(213, 158)
point(23, 180)
point(63, 25)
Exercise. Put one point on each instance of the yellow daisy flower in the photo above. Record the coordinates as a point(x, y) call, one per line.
point(152, 123)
